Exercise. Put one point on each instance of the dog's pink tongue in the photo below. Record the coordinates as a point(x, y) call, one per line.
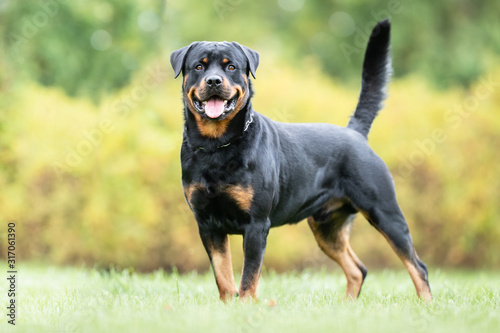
point(214, 107)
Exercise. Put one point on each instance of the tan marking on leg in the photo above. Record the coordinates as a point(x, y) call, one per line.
point(243, 196)
point(334, 204)
point(251, 292)
point(423, 290)
point(339, 250)
point(354, 256)
point(223, 269)
point(422, 287)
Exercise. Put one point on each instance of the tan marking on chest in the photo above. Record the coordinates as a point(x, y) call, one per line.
point(212, 129)
point(189, 189)
point(243, 196)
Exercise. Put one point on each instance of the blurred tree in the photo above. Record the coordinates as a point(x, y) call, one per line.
point(86, 47)
point(91, 47)
point(121, 202)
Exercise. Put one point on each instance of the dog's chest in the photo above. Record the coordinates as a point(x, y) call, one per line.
point(223, 205)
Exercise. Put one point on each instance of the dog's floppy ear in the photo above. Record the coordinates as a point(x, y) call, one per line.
point(178, 57)
point(252, 57)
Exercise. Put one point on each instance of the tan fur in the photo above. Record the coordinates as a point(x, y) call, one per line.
point(338, 249)
point(188, 190)
point(214, 128)
point(250, 293)
point(334, 204)
point(423, 290)
point(242, 195)
point(240, 102)
point(223, 269)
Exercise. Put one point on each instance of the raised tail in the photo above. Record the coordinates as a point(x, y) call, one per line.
point(376, 72)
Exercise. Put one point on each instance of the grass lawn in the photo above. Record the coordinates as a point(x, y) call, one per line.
point(54, 299)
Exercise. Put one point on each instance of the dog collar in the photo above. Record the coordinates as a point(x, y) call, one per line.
point(223, 146)
point(247, 124)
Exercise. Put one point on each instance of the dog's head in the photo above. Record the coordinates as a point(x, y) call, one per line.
point(216, 84)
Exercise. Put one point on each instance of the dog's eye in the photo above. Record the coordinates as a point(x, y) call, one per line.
point(231, 67)
point(199, 67)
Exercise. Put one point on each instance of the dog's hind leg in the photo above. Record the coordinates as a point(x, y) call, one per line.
point(372, 193)
point(392, 225)
point(332, 235)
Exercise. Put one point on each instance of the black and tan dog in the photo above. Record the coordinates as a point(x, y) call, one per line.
point(244, 173)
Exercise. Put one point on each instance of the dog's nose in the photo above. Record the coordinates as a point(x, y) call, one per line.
point(213, 81)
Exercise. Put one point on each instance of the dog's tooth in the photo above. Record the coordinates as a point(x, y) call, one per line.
point(204, 103)
point(225, 102)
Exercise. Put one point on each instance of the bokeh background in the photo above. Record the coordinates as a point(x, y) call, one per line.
point(91, 123)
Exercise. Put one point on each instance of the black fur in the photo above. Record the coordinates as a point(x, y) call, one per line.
point(294, 171)
point(376, 72)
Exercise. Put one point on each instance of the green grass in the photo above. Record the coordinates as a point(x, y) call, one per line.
point(86, 300)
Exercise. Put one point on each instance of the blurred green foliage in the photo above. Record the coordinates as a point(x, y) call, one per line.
point(451, 42)
point(91, 122)
point(57, 42)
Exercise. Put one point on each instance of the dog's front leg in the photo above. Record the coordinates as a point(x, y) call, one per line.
point(254, 246)
point(217, 246)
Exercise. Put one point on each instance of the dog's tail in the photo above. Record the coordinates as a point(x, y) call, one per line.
point(376, 72)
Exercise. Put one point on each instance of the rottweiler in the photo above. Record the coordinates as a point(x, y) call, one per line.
point(243, 173)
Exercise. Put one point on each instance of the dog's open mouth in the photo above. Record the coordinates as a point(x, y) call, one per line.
point(215, 106)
